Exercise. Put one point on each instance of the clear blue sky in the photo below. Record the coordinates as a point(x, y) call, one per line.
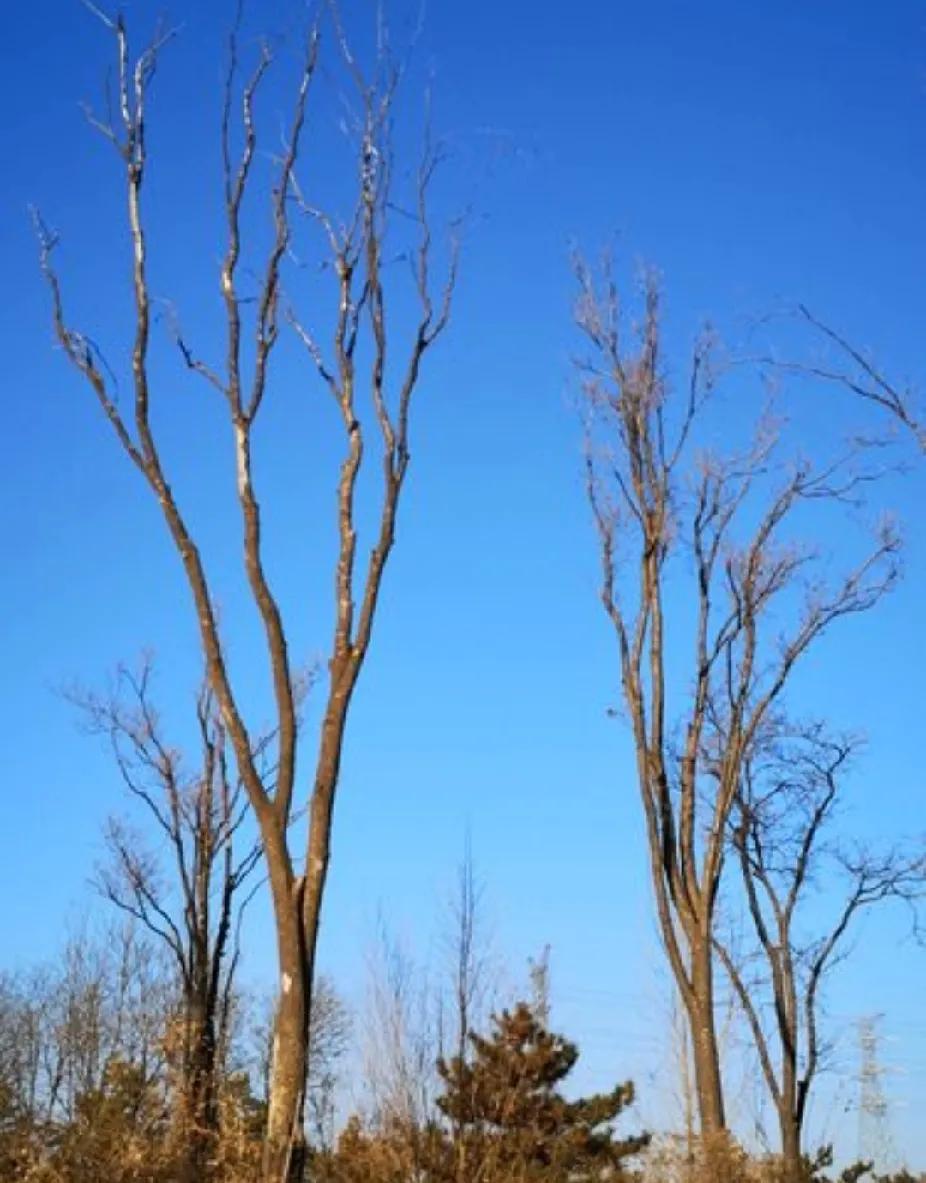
point(757, 154)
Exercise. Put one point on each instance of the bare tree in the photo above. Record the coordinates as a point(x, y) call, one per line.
point(416, 1018)
point(784, 811)
point(471, 972)
point(402, 1038)
point(198, 814)
point(357, 265)
point(104, 1000)
point(757, 600)
point(25, 1002)
point(471, 985)
point(331, 1029)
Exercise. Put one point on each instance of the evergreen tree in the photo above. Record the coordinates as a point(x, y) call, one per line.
point(509, 1120)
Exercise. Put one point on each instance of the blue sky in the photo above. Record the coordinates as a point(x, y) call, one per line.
point(757, 155)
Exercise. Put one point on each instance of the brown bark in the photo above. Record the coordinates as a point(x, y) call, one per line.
point(705, 1052)
point(284, 1145)
point(202, 1119)
point(791, 1153)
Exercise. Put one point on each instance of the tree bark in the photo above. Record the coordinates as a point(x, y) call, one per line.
point(201, 1110)
point(790, 1143)
point(706, 1054)
point(789, 1121)
point(285, 1145)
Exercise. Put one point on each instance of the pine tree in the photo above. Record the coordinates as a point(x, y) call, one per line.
point(509, 1120)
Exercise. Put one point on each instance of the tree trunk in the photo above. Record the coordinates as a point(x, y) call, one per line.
point(284, 1146)
point(203, 1117)
point(199, 1119)
point(789, 1103)
point(704, 1042)
point(790, 1143)
point(297, 906)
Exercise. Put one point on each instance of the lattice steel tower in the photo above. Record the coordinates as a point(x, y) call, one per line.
point(874, 1135)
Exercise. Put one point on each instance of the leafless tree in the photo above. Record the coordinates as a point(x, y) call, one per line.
point(401, 1038)
point(471, 984)
point(756, 599)
point(24, 1006)
point(196, 913)
point(359, 269)
point(471, 972)
point(780, 834)
point(104, 1000)
point(331, 1029)
point(416, 1016)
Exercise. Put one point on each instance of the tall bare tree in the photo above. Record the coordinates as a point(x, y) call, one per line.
point(357, 265)
point(748, 607)
point(197, 813)
point(780, 834)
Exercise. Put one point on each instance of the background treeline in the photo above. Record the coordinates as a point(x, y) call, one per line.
point(437, 1083)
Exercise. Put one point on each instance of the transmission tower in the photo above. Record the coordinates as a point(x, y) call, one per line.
point(875, 1143)
point(539, 970)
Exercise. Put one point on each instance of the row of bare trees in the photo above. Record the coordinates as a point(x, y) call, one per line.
point(717, 601)
point(99, 1071)
point(62, 1025)
point(779, 837)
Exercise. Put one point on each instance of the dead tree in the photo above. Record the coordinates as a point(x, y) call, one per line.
point(780, 836)
point(731, 523)
point(196, 913)
point(358, 267)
